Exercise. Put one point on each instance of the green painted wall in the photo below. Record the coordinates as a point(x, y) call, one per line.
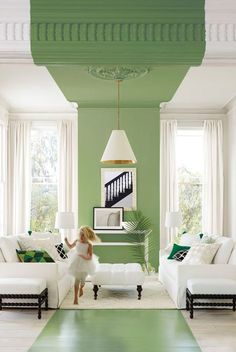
point(142, 128)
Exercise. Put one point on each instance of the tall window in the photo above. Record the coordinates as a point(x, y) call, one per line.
point(190, 175)
point(44, 178)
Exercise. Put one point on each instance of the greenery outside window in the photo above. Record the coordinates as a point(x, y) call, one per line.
point(44, 156)
point(190, 177)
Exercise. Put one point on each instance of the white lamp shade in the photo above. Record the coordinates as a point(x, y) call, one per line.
point(118, 149)
point(173, 219)
point(64, 220)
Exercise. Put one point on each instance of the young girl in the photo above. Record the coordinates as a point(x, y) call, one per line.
point(83, 261)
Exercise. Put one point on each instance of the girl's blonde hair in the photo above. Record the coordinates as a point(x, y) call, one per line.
point(89, 234)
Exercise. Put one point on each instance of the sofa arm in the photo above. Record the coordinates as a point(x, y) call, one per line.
point(47, 271)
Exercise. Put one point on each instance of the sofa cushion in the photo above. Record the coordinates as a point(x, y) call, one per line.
point(170, 267)
point(180, 255)
point(223, 254)
point(176, 248)
point(28, 243)
point(232, 258)
point(8, 245)
point(34, 256)
point(61, 250)
point(54, 237)
point(201, 253)
point(188, 239)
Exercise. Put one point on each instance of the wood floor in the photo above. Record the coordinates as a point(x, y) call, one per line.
point(214, 330)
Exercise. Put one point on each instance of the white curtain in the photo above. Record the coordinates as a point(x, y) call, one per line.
point(213, 178)
point(67, 169)
point(168, 177)
point(3, 164)
point(18, 177)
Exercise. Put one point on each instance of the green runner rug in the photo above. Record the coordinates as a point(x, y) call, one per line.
point(116, 331)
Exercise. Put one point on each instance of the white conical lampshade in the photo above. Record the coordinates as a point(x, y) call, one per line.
point(118, 149)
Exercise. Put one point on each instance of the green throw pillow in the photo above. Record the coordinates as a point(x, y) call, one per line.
point(33, 256)
point(176, 248)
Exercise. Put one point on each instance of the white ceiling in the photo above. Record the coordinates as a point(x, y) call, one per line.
point(30, 88)
point(205, 87)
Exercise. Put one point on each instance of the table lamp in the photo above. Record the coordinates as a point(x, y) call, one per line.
point(65, 220)
point(173, 220)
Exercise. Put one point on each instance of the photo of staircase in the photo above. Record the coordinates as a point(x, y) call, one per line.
point(119, 188)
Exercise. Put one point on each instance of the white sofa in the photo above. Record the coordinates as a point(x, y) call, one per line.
point(174, 274)
point(56, 274)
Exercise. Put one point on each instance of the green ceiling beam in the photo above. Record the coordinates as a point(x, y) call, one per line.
point(150, 32)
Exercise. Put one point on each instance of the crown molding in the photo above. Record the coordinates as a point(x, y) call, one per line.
point(196, 114)
point(220, 30)
point(231, 105)
point(43, 116)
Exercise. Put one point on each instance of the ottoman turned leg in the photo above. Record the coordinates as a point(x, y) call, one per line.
point(1, 303)
point(95, 290)
point(139, 289)
point(187, 304)
point(191, 308)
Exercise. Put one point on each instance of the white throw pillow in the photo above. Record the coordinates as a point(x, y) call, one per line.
point(8, 245)
point(223, 254)
point(28, 243)
point(187, 239)
point(201, 253)
point(55, 237)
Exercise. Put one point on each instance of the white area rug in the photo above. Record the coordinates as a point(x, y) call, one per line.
point(154, 296)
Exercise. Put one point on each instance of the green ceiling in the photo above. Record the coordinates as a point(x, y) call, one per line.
point(151, 32)
point(166, 35)
point(148, 91)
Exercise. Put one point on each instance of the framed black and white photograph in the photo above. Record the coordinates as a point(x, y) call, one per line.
point(118, 188)
point(108, 218)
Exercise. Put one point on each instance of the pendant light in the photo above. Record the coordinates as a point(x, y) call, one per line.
point(118, 149)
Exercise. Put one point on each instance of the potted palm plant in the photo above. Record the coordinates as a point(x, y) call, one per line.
point(139, 228)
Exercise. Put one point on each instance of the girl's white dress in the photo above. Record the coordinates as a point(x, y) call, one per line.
point(79, 265)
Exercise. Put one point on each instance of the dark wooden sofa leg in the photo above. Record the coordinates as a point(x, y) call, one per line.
point(234, 304)
point(139, 289)
point(95, 290)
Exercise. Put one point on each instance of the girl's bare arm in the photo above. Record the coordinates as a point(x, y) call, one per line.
point(70, 245)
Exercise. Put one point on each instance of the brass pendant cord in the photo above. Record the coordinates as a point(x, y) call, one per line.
point(118, 103)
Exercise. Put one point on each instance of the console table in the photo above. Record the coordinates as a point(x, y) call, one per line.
point(123, 240)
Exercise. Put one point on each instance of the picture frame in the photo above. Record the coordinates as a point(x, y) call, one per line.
point(108, 218)
point(118, 188)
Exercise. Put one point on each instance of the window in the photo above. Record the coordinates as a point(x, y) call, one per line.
point(190, 175)
point(44, 178)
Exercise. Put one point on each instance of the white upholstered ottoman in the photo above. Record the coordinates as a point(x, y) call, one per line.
point(118, 274)
point(23, 289)
point(210, 289)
